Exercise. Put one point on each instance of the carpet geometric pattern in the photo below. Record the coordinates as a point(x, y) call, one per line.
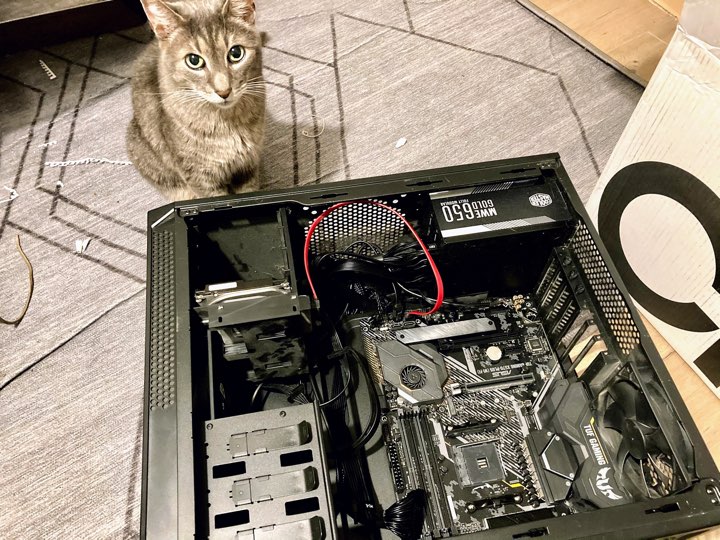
point(461, 81)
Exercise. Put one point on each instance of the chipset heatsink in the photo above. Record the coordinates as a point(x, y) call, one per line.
point(478, 463)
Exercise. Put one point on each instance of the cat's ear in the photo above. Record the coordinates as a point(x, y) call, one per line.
point(163, 19)
point(243, 10)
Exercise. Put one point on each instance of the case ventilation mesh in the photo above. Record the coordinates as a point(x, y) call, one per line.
point(162, 322)
point(357, 222)
point(611, 301)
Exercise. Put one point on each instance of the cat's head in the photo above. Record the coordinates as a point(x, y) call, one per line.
point(209, 49)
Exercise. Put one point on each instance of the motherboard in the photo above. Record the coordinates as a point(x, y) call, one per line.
point(460, 388)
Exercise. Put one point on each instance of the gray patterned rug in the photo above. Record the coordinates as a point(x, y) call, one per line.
point(460, 81)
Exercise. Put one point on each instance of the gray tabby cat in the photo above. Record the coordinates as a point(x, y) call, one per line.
point(199, 99)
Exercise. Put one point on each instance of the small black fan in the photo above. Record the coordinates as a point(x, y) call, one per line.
point(413, 377)
point(642, 452)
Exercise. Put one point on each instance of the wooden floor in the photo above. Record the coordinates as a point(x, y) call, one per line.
point(11, 10)
point(630, 34)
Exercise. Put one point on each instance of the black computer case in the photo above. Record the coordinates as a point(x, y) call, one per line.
point(533, 404)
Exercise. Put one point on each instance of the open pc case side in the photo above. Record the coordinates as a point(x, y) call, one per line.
point(602, 350)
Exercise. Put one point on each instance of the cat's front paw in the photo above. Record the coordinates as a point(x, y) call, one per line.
point(182, 194)
point(251, 184)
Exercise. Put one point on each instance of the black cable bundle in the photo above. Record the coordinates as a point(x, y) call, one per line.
point(354, 493)
point(354, 486)
point(404, 262)
point(355, 496)
point(362, 277)
point(406, 517)
point(410, 257)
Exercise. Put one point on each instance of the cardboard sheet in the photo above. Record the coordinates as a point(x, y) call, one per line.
point(657, 203)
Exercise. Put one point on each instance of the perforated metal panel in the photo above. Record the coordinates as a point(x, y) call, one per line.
point(356, 222)
point(611, 301)
point(259, 466)
point(162, 322)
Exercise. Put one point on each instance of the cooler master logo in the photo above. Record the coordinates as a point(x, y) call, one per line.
point(602, 482)
point(540, 200)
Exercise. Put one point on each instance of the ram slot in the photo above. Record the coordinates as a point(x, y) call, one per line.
point(418, 447)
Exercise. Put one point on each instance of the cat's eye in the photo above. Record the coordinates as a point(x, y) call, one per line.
point(236, 53)
point(194, 61)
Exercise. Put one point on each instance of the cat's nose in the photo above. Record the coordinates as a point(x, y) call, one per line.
point(224, 93)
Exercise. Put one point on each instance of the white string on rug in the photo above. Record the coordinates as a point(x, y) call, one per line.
point(47, 70)
point(13, 194)
point(306, 133)
point(86, 161)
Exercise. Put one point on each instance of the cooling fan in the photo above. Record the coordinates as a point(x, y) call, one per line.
point(642, 454)
point(414, 377)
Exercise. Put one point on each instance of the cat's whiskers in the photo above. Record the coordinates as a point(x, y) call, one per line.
point(249, 95)
point(180, 91)
point(254, 87)
point(181, 97)
point(172, 93)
